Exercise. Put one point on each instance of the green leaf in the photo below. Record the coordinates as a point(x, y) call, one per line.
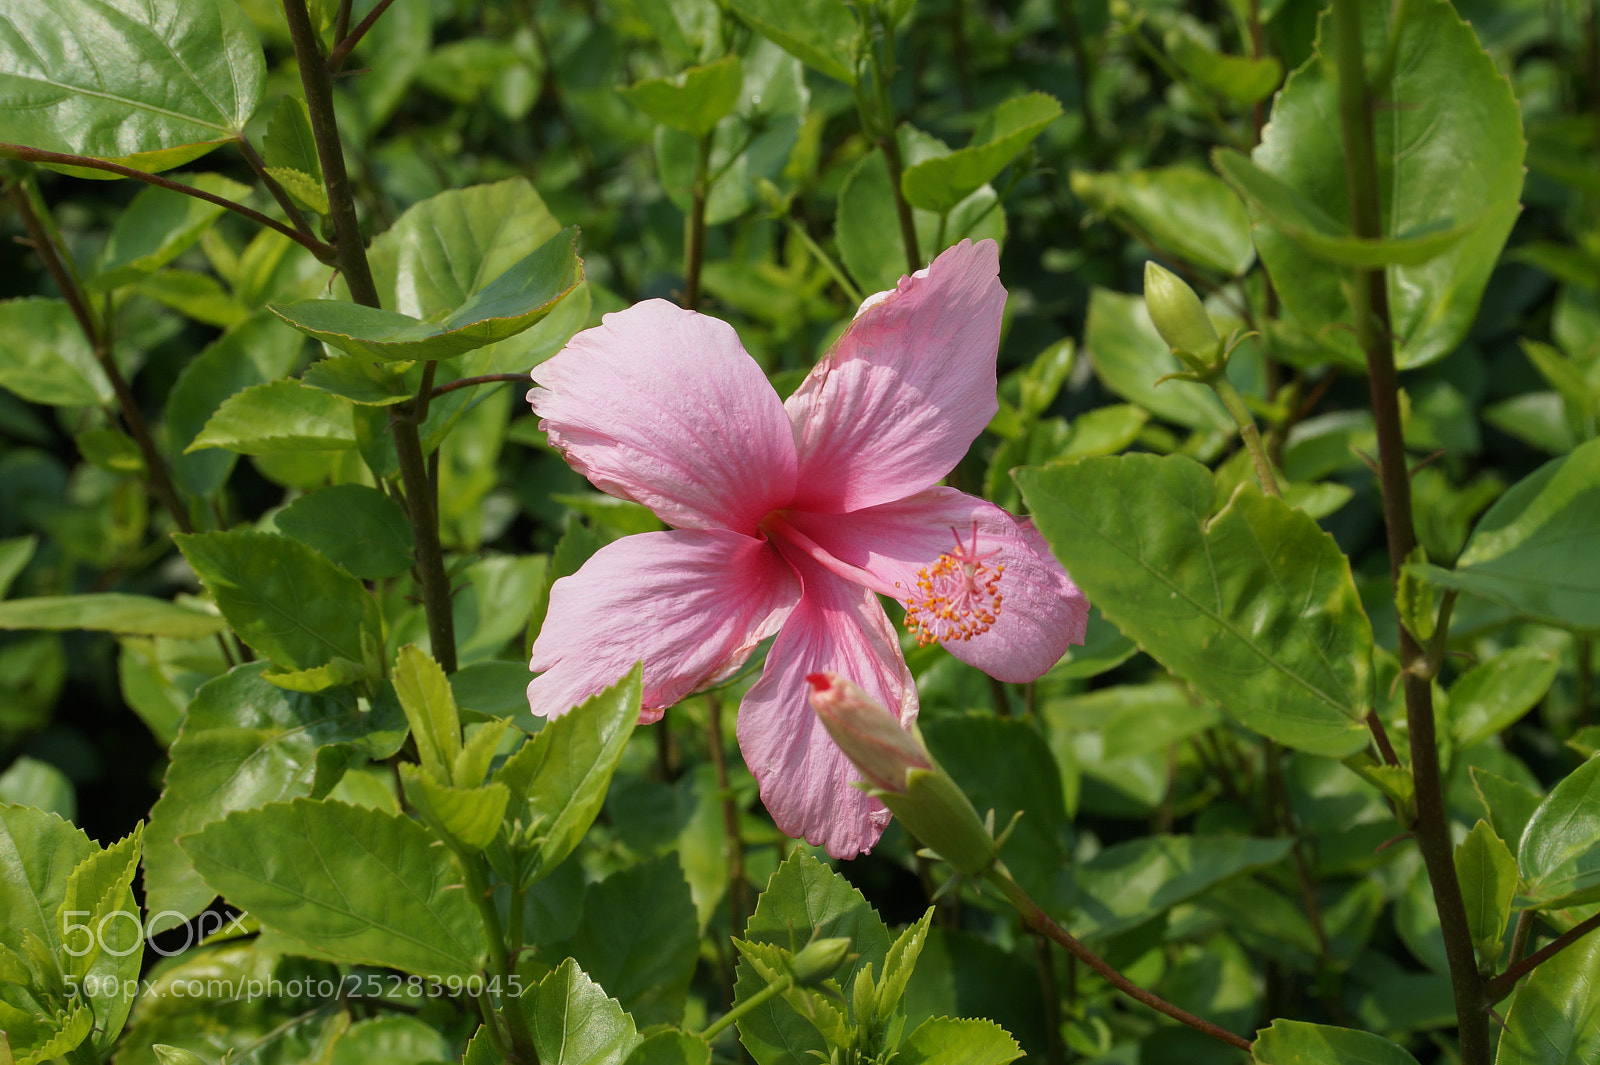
point(509, 304)
point(1255, 607)
point(1508, 804)
point(30, 782)
point(244, 743)
point(1298, 1043)
point(1496, 694)
point(37, 852)
point(1451, 155)
point(257, 350)
point(1128, 884)
point(647, 961)
point(938, 184)
point(195, 295)
point(396, 1039)
point(804, 900)
point(290, 153)
point(575, 1023)
point(1521, 553)
point(671, 1047)
point(338, 673)
point(278, 416)
point(558, 779)
point(1004, 765)
point(99, 894)
point(44, 357)
point(494, 606)
point(868, 226)
point(281, 597)
point(901, 962)
point(15, 554)
point(360, 380)
point(1130, 356)
point(150, 87)
point(693, 101)
point(450, 246)
point(822, 34)
point(1559, 854)
point(157, 227)
point(136, 615)
point(425, 696)
point(1555, 1018)
point(958, 1041)
point(358, 527)
point(1488, 874)
point(1179, 210)
point(1292, 214)
point(349, 883)
point(468, 818)
point(1238, 78)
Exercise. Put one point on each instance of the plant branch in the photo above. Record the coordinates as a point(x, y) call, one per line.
point(290, 208)
point(98, 333)
point(486, 379)
point(1373, 327)
point(404, 418)
point(1502, 985)
point(37, 155)
point(348, 41)
point(694, 235)
point(1041, 922)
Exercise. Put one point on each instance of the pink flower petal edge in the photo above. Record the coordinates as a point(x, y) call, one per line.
point(691, 603)
point(892, 408)
point(663, 406)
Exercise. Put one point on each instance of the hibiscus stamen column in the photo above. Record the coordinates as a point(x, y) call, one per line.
point(1370, 303)
point(404, 418)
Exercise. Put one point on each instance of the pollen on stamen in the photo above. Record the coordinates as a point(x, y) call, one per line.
point(957, 597)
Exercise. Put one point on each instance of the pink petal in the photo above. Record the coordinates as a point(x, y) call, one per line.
point(1042, 611)
point(662, 406)
point(907, 388)
point(692, 604)
point(805, 779)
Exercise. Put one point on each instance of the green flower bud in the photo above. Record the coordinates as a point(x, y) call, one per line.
point(1178, 314)
point(905, 777)
point(818, 960)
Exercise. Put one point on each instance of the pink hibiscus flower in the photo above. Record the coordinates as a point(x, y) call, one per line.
point(792, 518)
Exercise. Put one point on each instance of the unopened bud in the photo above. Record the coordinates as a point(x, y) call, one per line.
point(866, 732)
point(1178, 314)
point(818, 960)
point(927, 801)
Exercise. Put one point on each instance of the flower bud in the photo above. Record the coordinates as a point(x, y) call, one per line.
point(818, 960)
point(867, 733)
point(927, 801)
point(1178, 314)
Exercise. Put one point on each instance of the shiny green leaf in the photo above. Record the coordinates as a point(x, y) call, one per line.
point(148, 86)
point(693, 101)
point(958, 1041)
point(1488, 875)
point(1287, 1042)
point(1130, 356)
point(1497, 693)
point(1555, 1018)
point(137, 615)
point(1238, 78)
point(425, 697)
point(506, 306)
point(1181, 211)
point(278, 416)
point(1559, 854)
point(157, 227)
point(348, 883)
point(1128, 884)
point(822, 34)
point(360, 528)
point(574, 1022)
point(281, 597)
point(1450, 155)
point(1255, 607)
point(45, 358)
point(939, 183)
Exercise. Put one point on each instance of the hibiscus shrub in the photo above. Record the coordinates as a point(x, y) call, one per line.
point(1049, 529)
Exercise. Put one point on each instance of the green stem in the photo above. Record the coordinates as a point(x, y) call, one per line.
point(1248, 433)
point(889, 141)
point(1041, 922)
point(1374, 330)
point(694, 236)
point(760, 998)
point(351, 257)
point(499, 959)
point(738, 892)
point(851, 292)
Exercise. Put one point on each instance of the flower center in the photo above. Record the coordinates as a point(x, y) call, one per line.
point(956, 598)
